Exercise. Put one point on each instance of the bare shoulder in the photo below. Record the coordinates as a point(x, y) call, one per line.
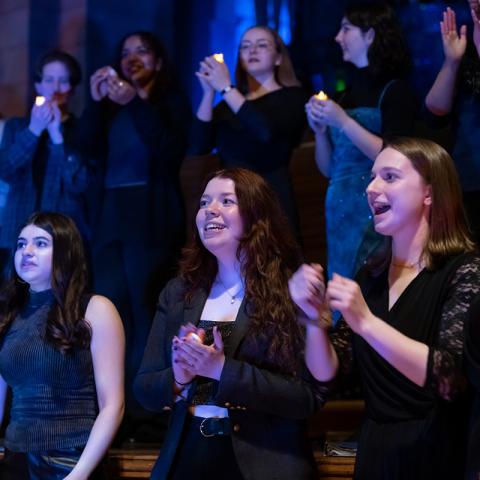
point(102, 314)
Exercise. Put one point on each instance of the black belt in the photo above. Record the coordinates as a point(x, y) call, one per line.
point(211, 426)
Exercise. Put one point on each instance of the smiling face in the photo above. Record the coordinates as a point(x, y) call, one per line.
point(218, 220)
point(33, 257)
point(55, 83)
point(138, 62)
point(258, 53)
point(354, 43)
point(398, 196)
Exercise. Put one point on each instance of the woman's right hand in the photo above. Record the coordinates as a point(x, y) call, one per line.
point(454, 41)
point(204, 79)
point(314, 109)
point(179, 362)
point(40, 117)
point(98, 83)
point(307, 290)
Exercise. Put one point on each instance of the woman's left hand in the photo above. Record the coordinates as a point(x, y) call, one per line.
point(332, 114)
point(120, 91)
point(54, 127)
point(200, 359)
point(345, 296)
point(217, 73)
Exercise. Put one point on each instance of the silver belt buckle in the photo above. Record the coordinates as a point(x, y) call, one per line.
point(206, 435)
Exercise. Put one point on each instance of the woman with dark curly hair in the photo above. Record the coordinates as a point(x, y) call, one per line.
point(260, 119)
point(349, 131)
point(225, 352)
point(403, 319)
point(61, 353)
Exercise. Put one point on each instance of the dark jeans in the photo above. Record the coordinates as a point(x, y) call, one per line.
point(47, 464)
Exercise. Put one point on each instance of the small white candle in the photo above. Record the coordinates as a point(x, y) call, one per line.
point(194, 336)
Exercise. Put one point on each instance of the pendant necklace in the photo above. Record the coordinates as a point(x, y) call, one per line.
point(234, 297)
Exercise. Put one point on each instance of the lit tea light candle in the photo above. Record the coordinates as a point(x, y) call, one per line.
point(218, 57)
point(39, 101)
point(321, 95)
point(195, 337)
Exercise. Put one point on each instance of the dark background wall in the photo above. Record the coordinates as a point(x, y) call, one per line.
point(192, 29)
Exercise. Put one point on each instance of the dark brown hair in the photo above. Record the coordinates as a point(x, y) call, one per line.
point(66, 326)
point(71, 64)
point(388, 55)
point(269, 256)
point(165, 78)
point(284, 73)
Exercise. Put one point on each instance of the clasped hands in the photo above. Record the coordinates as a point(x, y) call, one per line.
point(323, 113)
point(308, 291)
point(106, 83)
point(47, 116)
point(213, 75)
point(192, 357)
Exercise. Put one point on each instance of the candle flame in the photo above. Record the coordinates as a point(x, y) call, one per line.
point(321, 95)
point(39, 101)
point(218, 57)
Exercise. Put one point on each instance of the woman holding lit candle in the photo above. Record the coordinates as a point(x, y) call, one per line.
point(349, 131)
point(238, 389)
point(40, 156)
point(402, 325)
point(260, 120)
point(140, 117)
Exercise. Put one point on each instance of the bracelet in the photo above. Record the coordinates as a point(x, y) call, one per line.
point(227, 89)
point(180, 383)
point(324, 322)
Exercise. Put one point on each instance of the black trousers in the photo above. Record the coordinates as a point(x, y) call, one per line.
point(204, 458)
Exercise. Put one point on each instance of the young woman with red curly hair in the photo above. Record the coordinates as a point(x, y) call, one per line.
point(225, 352)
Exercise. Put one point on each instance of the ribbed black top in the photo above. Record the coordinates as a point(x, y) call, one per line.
point(54, 399)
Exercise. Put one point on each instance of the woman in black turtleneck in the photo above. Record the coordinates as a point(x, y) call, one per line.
point(349, 131)
point(61, 354)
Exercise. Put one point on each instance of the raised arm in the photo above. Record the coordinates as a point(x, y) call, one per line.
point(108, 352)
point(439, 99)
point(335, 116)
point(307, 290)
point(323, 149)
point(18, 147)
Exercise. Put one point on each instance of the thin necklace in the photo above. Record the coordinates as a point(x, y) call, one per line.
point(234, 297)
point(406, 264)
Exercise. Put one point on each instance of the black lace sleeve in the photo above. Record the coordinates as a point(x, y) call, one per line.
point(341, 338)
point(445, 360)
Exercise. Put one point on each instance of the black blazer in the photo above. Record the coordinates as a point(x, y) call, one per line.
point(267, 410)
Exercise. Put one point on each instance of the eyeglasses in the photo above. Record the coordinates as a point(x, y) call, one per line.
point(262, 45)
